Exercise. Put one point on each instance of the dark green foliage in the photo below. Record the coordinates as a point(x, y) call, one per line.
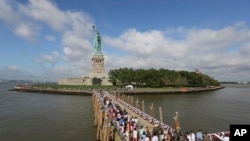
point(160, 78)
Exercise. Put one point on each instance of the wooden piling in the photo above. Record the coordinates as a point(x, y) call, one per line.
point(142, 106)
point(160, 113)
point(125, 98)
point(106, 128)
point(152, 109)
point(96, 109)
point(99, 126)
point(137, 103)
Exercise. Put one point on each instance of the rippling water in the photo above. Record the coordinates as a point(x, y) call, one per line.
point(210, 111)
point(40, 117)
point(44, 117)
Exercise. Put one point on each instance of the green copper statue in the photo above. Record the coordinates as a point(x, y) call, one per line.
point(97, 42)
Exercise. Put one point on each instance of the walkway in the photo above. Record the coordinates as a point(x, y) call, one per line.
point(126, 118)
point(118, 120)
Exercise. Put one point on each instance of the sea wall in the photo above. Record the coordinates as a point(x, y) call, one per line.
point(78, 91)
point(171, 91)
point(65, 91)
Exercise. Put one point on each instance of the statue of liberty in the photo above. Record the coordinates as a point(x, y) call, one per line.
point(97, 42)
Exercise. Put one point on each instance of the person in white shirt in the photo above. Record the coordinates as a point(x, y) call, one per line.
point(135, 134)
point(147, 138)
point(136, 120)
point(155, 137)
point(192, 136)
point(222, 138)
point(188, 136)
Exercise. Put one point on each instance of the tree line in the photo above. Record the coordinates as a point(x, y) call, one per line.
point(160, 78)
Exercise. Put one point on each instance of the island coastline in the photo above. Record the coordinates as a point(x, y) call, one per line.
point(136, 91)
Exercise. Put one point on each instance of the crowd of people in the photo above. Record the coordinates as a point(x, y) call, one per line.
point(130, 128)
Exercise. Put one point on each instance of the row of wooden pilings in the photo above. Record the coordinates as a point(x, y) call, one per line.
point(101, 120)
point(105, 130)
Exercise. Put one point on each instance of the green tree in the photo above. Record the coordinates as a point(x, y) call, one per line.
point(160, 78)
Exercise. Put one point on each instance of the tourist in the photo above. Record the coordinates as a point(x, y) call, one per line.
point(199, 136)
point(188, 135)
point(205, 137)
point(143, 137)
point(222, 137)
point(155, 137)
point(192, 136)
point(182, 137)
point(169, 136)
point(136, 120)
point(127, 129)
point(161, 136)
point(147, 131)
point(141, 130)
point(147, 138)
point(156, 130)
point(135, 134)
point(165, 135)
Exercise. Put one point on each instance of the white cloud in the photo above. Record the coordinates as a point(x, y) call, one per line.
point(50, 37)
point(7, 12)
point(245, 49)
point(212, 51)
point(10, 14)
point(48, 58)
point(45, 11)
point(51, 59)
point(25, 32)
point(56, 54)
point(136, 42)
point(222, 53)
point(27, 17)
point(75, 28)
point(12, 68)
point(14, 72)
point(68, 51)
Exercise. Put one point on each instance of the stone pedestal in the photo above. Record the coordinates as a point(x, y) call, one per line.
point(97, 64)
point(97, 75)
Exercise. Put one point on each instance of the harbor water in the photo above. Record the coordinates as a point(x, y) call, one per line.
point(44, 117)
point(51, 117)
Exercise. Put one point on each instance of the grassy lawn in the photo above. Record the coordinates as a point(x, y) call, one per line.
point(157, 89)
point(74, 86)
point(98, 87)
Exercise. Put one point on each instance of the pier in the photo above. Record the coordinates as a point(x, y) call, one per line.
point(118, 118)
point(106, 119)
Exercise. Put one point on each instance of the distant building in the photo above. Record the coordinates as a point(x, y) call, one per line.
point(243, 82)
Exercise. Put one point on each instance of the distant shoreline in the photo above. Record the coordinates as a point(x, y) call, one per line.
point(136, 91)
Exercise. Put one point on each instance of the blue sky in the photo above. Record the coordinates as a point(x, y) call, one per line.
point(52, 39)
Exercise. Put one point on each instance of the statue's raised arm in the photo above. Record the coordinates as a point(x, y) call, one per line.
point(97, 42)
